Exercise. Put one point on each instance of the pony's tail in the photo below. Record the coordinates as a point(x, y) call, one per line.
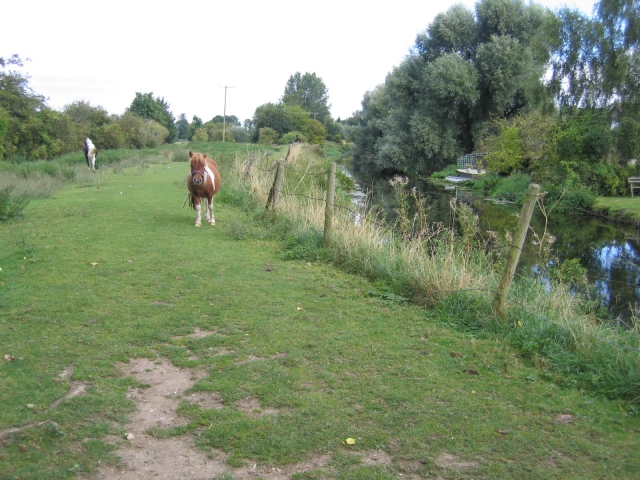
point(190, 199)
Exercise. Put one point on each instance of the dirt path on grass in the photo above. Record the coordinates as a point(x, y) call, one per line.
point(146, 457)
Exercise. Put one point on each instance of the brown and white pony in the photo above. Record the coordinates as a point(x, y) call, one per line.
point(203, 183)
point(90, 153)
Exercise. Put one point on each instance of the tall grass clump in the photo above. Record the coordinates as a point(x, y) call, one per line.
point(11, 206)
point(453, 271)
point(557, 324)
point(416, 259)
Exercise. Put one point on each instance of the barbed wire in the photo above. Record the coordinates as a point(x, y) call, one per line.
point(286, 167)
point(337, 206)
point(390, 189)
point(275, 164)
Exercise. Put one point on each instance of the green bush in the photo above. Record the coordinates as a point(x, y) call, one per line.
point(267, 136)
point(303, 246)
point(512, 188)
point(573, 201)
point(201, 135)
point(292, 137)
point(449, 170)
point(606, 180)
point(11, 206)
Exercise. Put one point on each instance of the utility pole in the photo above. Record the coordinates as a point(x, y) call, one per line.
point(224, 113)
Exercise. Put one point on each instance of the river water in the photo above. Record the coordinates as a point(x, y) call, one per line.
point(609, 251)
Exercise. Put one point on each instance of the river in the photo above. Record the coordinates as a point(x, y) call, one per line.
point(610, 252)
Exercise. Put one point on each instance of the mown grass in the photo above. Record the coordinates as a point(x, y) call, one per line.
point(625, 208)
point(109, 271)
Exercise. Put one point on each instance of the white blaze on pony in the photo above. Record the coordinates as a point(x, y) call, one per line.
point(203, 183)
point(90, 153)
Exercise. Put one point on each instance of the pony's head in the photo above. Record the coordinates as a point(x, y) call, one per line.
point(198, 162)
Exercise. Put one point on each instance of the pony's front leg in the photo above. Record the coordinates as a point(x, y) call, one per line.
point(198, 212)
point(211, 218)
point(207, 211)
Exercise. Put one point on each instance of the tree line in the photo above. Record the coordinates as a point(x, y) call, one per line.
point(553, 95)
point(30, 130)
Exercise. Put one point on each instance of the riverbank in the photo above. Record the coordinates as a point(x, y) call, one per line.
point(625, 209)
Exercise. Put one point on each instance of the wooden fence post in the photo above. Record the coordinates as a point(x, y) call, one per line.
point(247, 167)
point(328, 211)
point(274, 193)
point(516, 250)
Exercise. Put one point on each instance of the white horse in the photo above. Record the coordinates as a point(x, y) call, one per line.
point(90, 153)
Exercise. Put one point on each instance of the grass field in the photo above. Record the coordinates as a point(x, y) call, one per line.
point(627, 208)
point(114, 270)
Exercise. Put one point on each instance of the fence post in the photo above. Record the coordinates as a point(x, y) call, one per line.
point(274, 193)
point(328, 211)
point(247, 168)
point(516, 250)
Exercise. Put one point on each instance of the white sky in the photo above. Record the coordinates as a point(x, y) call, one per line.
point(186, 51)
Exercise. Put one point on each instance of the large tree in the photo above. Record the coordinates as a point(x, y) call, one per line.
point(27, 126)
point(182, 124)
point(309, 92)
point(464, 70)
point(230, 120)
point(146, 106)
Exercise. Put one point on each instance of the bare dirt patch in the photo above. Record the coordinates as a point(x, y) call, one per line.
point(254, 358)
point(564, 419)
point(145, 457)
point(251, 406)
point(376, 457)
point(446, 460)
point(201, 333)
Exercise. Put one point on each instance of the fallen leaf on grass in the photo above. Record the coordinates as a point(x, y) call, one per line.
point(456, 354)
point(93, 264)
point(9, 358)
point(502, 432)
point(299, 308)
point(470, 372)
point(178, 277)
point(349, 441)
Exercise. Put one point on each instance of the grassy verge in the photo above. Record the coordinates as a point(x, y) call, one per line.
point(113, 270)
point(432, 266)
point(623, 208)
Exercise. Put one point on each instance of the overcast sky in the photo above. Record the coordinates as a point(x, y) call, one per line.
point(187, 51)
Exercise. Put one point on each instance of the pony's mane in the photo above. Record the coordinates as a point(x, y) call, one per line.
point(198, 159)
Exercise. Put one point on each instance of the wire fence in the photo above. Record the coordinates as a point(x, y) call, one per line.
point(389, 188)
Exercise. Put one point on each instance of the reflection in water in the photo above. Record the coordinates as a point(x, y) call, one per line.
point(610, 252)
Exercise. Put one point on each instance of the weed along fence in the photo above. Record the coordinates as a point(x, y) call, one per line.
point(499, 304)
point(440, 269)
point(276, 189)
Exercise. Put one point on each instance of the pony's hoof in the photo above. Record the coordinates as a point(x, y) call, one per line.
point(197, 224)
point(213, 223)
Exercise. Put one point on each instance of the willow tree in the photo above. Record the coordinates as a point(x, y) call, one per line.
point(465, 69)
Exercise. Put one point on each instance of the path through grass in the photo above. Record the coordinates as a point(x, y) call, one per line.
point(99, 275)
